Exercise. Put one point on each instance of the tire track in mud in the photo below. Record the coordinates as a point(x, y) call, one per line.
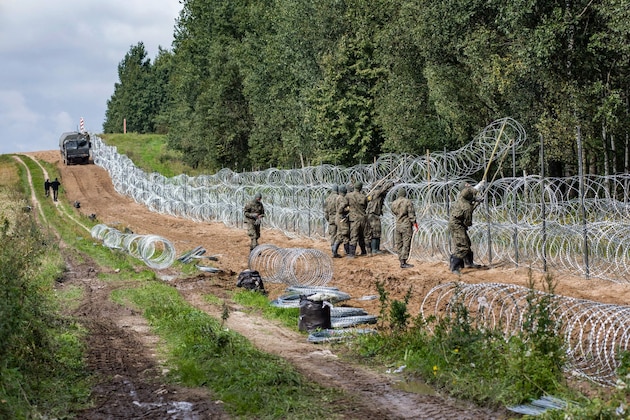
point(121, 353)
point(373, 394)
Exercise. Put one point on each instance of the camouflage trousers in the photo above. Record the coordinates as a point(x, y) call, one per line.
point(332, 233)
point(253, 231)
point(402, 240)
point(343, 230)
point(357, 231)
point(374, 227)
point(460, 241)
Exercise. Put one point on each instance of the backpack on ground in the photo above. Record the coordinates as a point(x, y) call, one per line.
point(251, 280)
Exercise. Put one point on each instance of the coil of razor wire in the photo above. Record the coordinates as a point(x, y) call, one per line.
point(529, 220)
point(347, 321)
point(330, 335)
point(155, 251)
point(594, 333)
point(293, 266)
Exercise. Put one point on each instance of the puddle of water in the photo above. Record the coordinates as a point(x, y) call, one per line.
point(417, 387)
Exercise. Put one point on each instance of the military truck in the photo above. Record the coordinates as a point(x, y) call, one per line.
point(75, 147)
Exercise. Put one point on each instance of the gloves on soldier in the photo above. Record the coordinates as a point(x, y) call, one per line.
point(257, 221)
point(415, 226)
point(481, 185)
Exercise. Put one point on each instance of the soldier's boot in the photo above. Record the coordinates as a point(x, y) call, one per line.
point(362, 248)
point(403, 264)
point(335, 250)
point(352, 249)
point(468, 261)
point(456, 264)
point(375, 246)
point(346, 247)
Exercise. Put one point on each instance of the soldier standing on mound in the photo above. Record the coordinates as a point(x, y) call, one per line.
point(341, 220)
point(458, 224)
point(330, 209)
point(358, 203)
point(405, 214)
point(374, 212)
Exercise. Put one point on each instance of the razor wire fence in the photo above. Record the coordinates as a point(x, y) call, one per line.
point(594, 333)
point(575, 224)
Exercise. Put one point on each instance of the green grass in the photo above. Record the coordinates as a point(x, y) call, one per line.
point(260, 303)
point(42, 368)
point(150, 153)
point(249, 382)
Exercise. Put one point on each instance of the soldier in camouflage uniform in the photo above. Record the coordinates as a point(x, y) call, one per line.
point(341, 220)
point(458, 224)
point(254, 211)
point(358, 219)
point(405, 214)
point(330, 212)
point(374, 212)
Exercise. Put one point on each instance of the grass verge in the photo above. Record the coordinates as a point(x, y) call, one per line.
point(204, 353)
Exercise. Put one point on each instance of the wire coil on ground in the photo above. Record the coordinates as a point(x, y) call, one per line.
point(594, 333)
point(293, 266)
point(156, 251)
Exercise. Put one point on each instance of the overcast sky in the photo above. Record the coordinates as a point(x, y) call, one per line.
point(59, 62)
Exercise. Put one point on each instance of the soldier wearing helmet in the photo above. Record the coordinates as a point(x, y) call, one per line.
point(254, 212)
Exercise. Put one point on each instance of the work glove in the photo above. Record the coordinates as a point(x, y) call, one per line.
point(415, 226)
point(481, 185)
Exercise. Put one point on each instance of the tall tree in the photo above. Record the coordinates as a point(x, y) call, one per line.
point(133, 98)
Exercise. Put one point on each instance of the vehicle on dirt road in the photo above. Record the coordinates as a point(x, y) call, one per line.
point(75, 147)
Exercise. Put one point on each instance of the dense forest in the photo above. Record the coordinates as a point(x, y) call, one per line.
point(250, 84)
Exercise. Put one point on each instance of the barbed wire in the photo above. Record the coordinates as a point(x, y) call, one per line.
point(525, 221)
point(156, 251)
point(293, 266)
point(594, 333)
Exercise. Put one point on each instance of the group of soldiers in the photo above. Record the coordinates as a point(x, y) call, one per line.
point(354, 221)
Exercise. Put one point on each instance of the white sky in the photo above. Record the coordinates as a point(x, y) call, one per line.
point(59, 62)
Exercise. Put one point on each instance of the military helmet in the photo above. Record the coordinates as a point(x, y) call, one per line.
point(358, 185)
point(468, 193)
point(342, 189)
point(258, 196)
point(401, 193)
point(335, 188)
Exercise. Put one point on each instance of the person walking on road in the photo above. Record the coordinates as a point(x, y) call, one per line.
point(459, 221)
point(254, 212)
point(405, 214)
point(47, 187)
point(55, 187)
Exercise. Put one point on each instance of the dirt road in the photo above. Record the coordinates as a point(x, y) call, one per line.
point(372, 392)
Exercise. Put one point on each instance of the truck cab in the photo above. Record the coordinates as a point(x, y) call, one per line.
point(75, 147)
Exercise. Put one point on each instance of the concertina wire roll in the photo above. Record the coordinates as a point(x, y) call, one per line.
point(594, 333)
point(528, 221)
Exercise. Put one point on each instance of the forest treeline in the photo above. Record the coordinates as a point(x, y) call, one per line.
point(249, 84)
